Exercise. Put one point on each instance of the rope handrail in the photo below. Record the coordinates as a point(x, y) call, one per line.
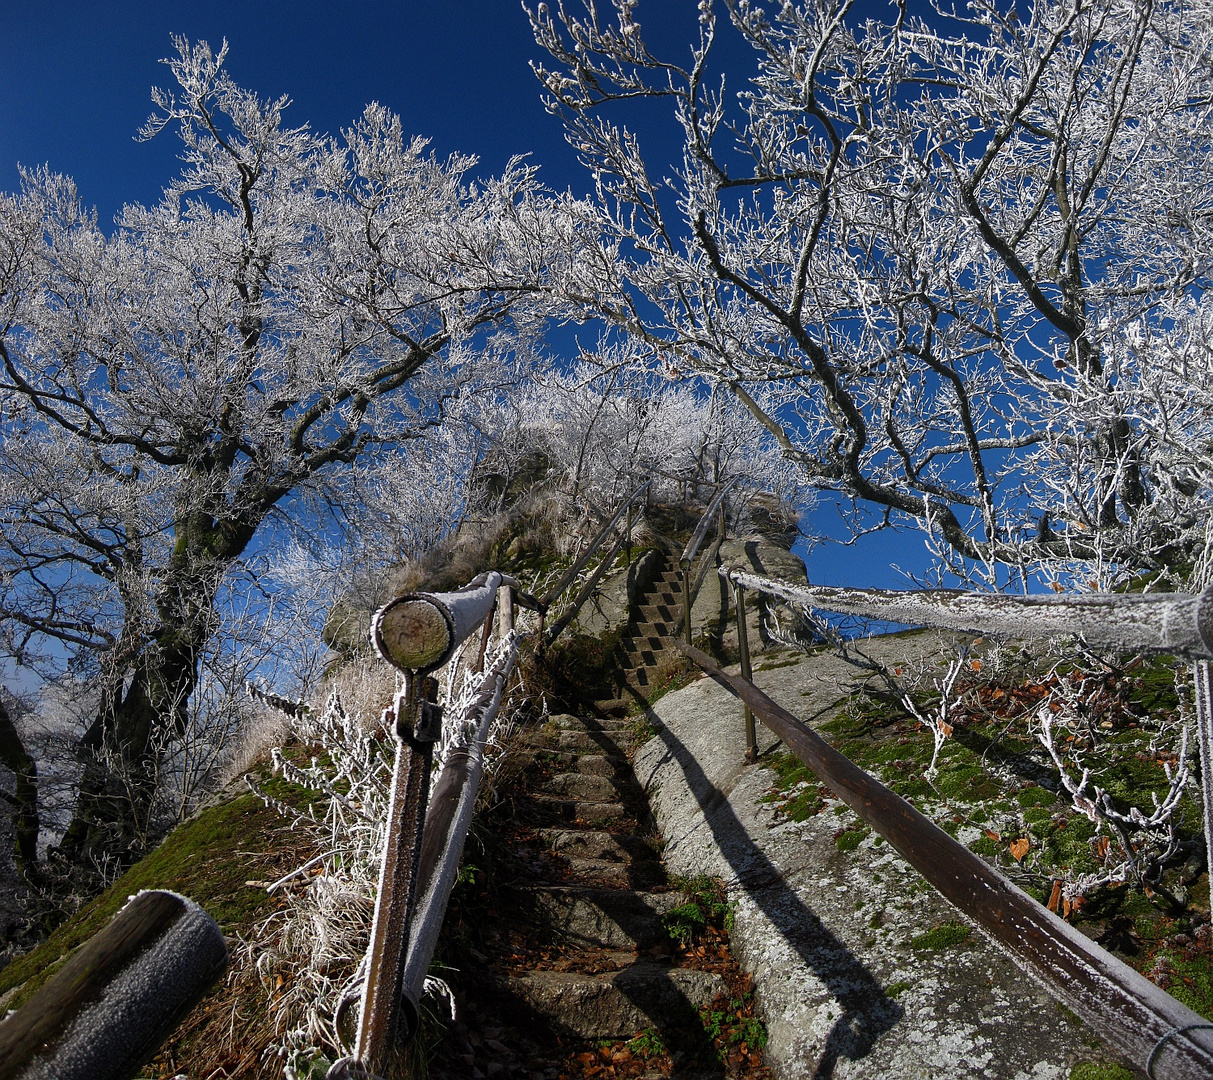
point(1175, 623)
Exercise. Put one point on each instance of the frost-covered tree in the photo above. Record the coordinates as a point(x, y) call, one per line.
point(955, 262)
point(605, 423)
point(294, 308)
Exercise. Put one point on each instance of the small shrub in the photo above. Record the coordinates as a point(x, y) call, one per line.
point(647, 1044)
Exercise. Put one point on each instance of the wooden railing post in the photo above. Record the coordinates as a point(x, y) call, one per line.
point(743, 646)
point(505, 611)
point(687, 559)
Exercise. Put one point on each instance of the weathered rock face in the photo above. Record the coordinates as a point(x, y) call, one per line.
point(714, 615)
point(828, 934)
point(347, 627)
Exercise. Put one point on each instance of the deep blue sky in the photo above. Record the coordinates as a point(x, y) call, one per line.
point(76, 79)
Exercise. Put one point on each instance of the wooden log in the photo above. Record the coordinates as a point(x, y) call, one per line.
point(421, 631)
point(1152, 1029)
point(106, 1011)
point(412, 634)
point(1175, 623)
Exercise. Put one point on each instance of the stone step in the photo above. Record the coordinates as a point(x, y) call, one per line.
point(648, 630)
point(644, 657)
point(658, 610)
point(589, 917)
point(601, 761)
point(601, 764)
point(619, 1004)
point(619, 709)
point(656, 646)
point(644, 632)
point(567, 722)
point(606, 872)
point(594, 740)
point(553, 809)
point(596, 844)
point(586, 788)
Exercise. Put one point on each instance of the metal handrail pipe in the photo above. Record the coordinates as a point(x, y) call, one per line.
point(446, 828)
point(420, 631)
point(1176, 623)
point(705, 523)
point(595, 544)
point(1142, 1021)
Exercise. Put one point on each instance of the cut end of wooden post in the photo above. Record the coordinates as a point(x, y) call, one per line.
point(412, 633)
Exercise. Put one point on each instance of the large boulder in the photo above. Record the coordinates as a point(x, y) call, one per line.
point(713, 614)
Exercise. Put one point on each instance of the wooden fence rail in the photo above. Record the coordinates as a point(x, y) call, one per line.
point(105, 1012)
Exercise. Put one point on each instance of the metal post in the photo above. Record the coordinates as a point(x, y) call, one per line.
point(686, 600)
point(743, 646)
point(418, 722)
point(627, 556)
point(1204, 739)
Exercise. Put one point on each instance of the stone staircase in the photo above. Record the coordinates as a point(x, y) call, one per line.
point(580, 955)
point(647, 646)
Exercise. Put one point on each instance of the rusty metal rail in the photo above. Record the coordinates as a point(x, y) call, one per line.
point(1142, 1021)
point(1174, 623)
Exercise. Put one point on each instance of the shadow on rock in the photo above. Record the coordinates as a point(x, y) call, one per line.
point(867, 1012)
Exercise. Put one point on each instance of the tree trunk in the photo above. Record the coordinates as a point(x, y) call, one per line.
point(14, 755)
point(124, 747)
point(112, 821)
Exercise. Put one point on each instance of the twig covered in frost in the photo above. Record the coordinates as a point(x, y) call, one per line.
point(1145, 843)
point(938, 719)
